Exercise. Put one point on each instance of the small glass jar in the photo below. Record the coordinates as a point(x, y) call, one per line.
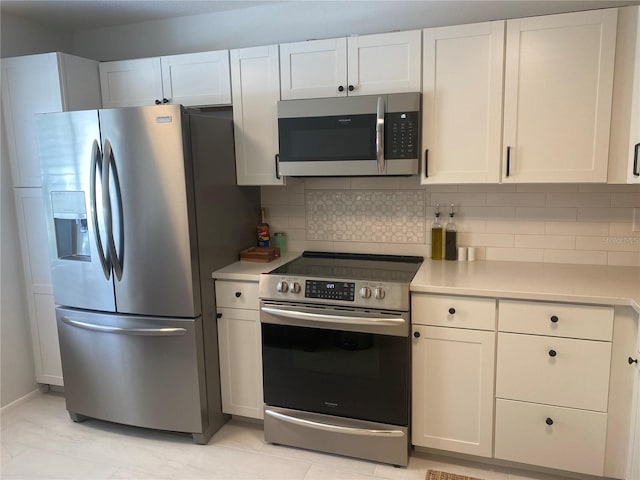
point(280, 241)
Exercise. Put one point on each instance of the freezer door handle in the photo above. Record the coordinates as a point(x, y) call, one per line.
point(96, 166)
point(109, 170)
point(148, 332)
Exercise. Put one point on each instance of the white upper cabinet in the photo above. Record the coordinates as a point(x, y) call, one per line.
point(256, 90)
point(51, 82)
point(624, 149)
point(359, 65)
point(462, 103)
point(384, 63)
point(557, 100)
point(190, 79)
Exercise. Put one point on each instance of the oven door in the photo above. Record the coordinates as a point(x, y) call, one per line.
point(336, 361)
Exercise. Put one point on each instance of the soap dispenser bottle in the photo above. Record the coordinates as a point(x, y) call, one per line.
point(450, 241)
point(436, 236)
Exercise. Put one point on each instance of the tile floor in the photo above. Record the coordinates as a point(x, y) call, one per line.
point(39, 441)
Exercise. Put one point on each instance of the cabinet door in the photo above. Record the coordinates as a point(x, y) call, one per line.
point(256, 90)
point(634, 136)
point(557, 102)
point(32, 232)
point(240, 345)
point(633, 458)
point(197, 78)
point(462, 103)
point(453, 373)
point(131, 83)
point(30, 85)
point(384, 63)
point(313, 69)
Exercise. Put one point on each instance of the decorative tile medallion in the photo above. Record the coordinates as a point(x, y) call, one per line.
point(366, 216)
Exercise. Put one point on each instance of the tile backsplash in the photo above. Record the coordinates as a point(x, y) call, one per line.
point(555, 223)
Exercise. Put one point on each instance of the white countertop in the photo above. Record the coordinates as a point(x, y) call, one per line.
point(250, 271)
point(595, 284)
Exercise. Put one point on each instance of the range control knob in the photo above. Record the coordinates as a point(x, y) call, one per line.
point(379, 293)
point(282, 287)
point(365, 292)
point(295, 287)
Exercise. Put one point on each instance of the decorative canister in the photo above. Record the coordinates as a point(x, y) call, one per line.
point(280, 241)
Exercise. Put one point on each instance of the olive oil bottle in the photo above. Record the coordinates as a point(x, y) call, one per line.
point(450, 238)
point(436, 236)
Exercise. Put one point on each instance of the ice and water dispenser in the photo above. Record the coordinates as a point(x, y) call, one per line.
point(70, 221)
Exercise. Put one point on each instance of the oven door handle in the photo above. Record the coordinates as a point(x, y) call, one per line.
point(334, 318)
point(334, 428)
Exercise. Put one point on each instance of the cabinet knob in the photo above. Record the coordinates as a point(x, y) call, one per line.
point(416, 334)
point(218, 315)
point(554, 319)
point(158, 102)
point(164, 100)
point(632, 360)
point(552, 353)
point(340, 88)
point(351, 88)
point(452, 311)
point(549, 421)
point(238, 294)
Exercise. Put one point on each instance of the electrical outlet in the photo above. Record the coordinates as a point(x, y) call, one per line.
point(636, 219)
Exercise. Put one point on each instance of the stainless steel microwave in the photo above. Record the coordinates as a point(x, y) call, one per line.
point(349, 136)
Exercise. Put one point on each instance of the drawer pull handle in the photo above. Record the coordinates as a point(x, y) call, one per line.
point(632, 360)
point(554, 319)
point(549, 421)
point(417, 335)
point(218, 315)
point(452, 311)
point(238, 294)
point(552, 353)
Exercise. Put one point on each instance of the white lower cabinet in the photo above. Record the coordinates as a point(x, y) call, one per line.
point(453, 375)
point(240, 348)
point(633, 459)
point(549, 436)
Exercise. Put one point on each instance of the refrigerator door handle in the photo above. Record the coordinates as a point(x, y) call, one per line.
point(107, 165)
point(147, 332)
point(96, 166)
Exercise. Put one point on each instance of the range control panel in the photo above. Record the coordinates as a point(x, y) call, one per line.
point(330, 290)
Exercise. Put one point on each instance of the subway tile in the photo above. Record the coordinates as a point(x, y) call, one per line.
point(603, 187)
point(545, 241)
point(625, 199)
point(476, 226)
point(622, 229)
point(578, 200)
point(487, 188)
point(576, 228)
point(459, 199)
point(625, 259)
point(441, 188)
point(487, 213)
point(546, 187)
point(485, 239)
point(517, 199)
point(297, 222)
point(610, 243)
point(327, 183)
point(423, 250)
point(545, 213)
point(589, 257)
point(285, 210)
point(606, 214)
point(514, 254)
point(510, 226)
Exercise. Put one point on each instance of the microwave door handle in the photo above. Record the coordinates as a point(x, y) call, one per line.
point(380, 135)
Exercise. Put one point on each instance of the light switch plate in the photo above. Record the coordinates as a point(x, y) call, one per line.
point(636, 220)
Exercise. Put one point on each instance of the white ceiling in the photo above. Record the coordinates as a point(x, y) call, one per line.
point(76, 15)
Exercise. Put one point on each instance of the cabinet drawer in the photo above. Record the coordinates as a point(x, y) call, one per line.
point(453, 311)
point(237, 294)
point(556, 371)
point(575, 440)
point(556, 319)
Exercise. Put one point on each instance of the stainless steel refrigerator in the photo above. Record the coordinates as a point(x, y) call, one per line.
point(142, 205)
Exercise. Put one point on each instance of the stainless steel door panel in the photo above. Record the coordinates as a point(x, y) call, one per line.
point(66, 144)
point(141, 371)
point(152, 209)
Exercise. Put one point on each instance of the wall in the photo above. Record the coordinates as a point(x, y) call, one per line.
point(17, 372)
point(590, 224)
point(22, 37)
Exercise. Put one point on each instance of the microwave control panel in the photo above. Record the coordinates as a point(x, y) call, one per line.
point(401, 135)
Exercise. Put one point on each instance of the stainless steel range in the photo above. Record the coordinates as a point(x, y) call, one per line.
point(336, 354)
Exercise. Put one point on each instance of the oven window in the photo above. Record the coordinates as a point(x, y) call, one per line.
point(349, 374)
point(327, 138)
